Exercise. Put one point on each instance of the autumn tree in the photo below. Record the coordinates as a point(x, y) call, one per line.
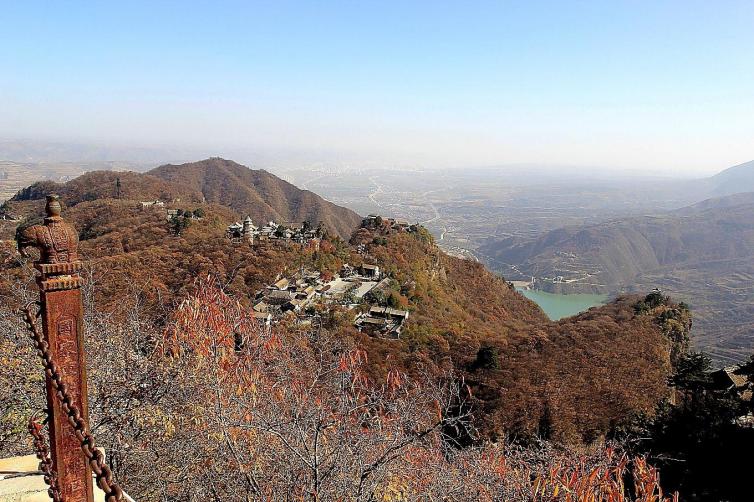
point(186, 412)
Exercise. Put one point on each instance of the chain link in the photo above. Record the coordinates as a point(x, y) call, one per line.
point(95, 458)
point(45, 462)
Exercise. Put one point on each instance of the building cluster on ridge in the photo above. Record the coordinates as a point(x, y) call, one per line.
point(364, 289)
point(246, 231)
point(354, 288)
point(196, 214)
point(375, 221)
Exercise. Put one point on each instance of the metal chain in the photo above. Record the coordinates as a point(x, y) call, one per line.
point(45, 462)
point(105, 480)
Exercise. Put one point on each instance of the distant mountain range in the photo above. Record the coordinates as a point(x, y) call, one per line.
point(703, 254)
point(246, 191)
point(607, 254)
point(733, 180)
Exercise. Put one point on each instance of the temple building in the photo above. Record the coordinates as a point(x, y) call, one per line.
point(239, 232)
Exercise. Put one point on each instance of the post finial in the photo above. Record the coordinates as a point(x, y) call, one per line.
point(53, 208)
point(56, 240)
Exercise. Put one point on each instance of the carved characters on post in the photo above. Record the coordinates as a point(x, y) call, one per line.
point(62, 323)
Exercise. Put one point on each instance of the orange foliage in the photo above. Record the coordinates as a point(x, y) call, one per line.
point(292, 403)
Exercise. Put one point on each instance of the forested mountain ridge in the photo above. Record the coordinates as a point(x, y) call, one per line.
point(619, 250)
point(257, 192)
point(703, 254)
point(596, 369)
point(215, 181)
point(464, 319)
point(97, 185)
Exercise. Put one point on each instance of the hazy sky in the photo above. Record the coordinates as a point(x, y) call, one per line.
point(657, 85)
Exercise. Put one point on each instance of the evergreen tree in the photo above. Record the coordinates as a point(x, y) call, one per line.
point(179, 223)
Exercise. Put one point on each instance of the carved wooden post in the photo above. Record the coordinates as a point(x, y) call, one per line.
point(62, 322)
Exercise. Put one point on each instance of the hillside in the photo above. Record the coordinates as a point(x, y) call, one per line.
point(166, 380)
point(703, 254)
point(527, 375)
point(213, 181)
point(733, 200)
point(581, 375)
point(257, 193)
point(735, 179)
point(98, 185)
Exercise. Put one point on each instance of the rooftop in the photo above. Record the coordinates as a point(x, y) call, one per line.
point(388, 311)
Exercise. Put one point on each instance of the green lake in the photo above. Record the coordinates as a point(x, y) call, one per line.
point(557, 306)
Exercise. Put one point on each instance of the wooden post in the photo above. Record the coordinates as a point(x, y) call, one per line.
point(63, 327)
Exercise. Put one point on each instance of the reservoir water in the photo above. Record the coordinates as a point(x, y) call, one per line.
point(557, 306)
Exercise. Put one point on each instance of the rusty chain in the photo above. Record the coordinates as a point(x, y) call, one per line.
point(95, 458)
point(45, 462)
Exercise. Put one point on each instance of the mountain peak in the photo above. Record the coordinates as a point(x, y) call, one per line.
point(256, 192)
point(248, 192)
